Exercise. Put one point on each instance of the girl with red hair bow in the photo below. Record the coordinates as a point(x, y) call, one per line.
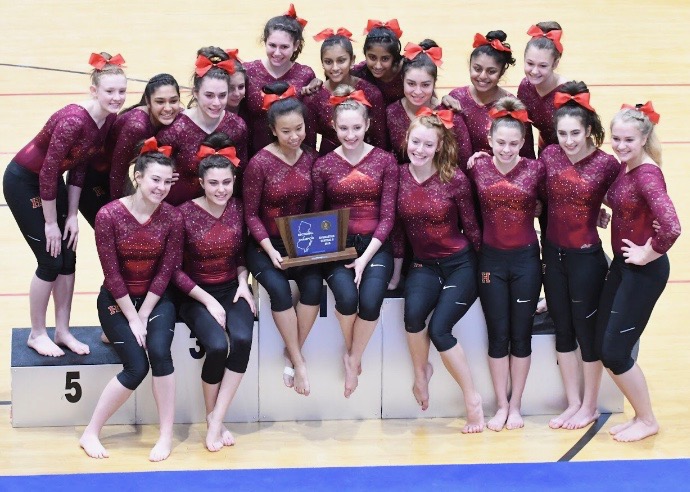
point(337, 58)
point(277, 184)
point(640, 267)
point(420, 72)
point(207, 114)
point(46, 210)
point(435, 209)
point(382, 59)
point(283, 38)
point(508, 187)
point(214, 276)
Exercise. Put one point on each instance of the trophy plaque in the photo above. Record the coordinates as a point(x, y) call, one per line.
point(315, 238)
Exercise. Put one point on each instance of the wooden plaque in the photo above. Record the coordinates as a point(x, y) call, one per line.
point(315, 238)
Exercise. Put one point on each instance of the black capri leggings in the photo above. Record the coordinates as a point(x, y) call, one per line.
point(573, 280)
point(509, 285)
point(372, 286)
point(629, 295)
point(447, 286)
point(159, 335)
point(239, 324)
point(94, 195)
point(21, 190)
point(276, 282)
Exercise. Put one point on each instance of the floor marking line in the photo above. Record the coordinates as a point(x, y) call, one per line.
point(588, 436)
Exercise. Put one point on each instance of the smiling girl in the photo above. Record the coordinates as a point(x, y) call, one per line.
point(46, 210)
point(436, 211)
point(337, 58)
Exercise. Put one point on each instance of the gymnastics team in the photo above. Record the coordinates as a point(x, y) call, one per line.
point(442, 194)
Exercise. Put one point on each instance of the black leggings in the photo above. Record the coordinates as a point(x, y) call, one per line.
point(573, 280)
point(447, 286)
point(629, 295)
point(21, 190)
point(94, 194)
point(509, 285)
point(160, 330)
point(239, 324)
point(372, 287)
point(276, 282)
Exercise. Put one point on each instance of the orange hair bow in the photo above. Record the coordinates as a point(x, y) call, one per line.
point(392, 25)
point(444, 115)
point(520, 114)
point(291, 12)
point(582, 99)
point(354, 96)
point(645, 108)
point(99, 61)
point(554, 36)
point(228, 152)
point(435, 53)
point(151, 145)
point(203, 65)
point(328, 33)
point(269, 99)
point(480, 40)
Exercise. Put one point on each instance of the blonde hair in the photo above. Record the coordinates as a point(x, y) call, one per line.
point(344, 90)
point(446, 158)
point(652, 147)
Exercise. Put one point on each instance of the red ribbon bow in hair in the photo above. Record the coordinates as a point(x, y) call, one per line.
point(554, 36)
point(520, 114)
point(151, 145)
point(232, 53)
point(328, 33)
point(444, 115)
point(582, 99)
point(355, 96)
point(229, 152)
point(291, 12)
point(480, 40)
point(203, 65)
point(391, 25)
point(645, 108)
point(98, 61)
point(271, 98)
point(435, 53)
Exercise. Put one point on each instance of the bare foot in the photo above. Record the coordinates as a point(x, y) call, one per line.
point(214, 438)
point(45, 346)
point(104, 338)
point(92, 446)
point(621, 427)
point(582, 418)
point(161, 450)
point(638, 431)
point(301, 380)
point(288, 372)
point(557, 422)
point(420, 388)
point(227, 437)
point(66, 339)
point(475, 415)
point(351, 373)
point(541, 306)
point(514, 419)
point(499, 420)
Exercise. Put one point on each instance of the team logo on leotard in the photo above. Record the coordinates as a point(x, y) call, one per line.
point(98, 190)
point(486, 277)
point(114, 309)
point(36, 202)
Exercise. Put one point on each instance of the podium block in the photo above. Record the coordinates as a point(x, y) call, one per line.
point(323, 352)
point(62, 391)
point(544, 393)
point(188, 358)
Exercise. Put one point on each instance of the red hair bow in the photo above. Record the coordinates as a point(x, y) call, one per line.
point(291, 12)
point(554, 36)
point(233, 54)
point(354, 96)
point(328, 33)
point(229, 152)
point(582, 99)
point(435, 53)
point(480, 40)
point(520, 114)
point(151, 145)
point(98, 61)
point(271, 98)
point(645, 108)
point(391, 25)
point(203, 65)
point(444, 115)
